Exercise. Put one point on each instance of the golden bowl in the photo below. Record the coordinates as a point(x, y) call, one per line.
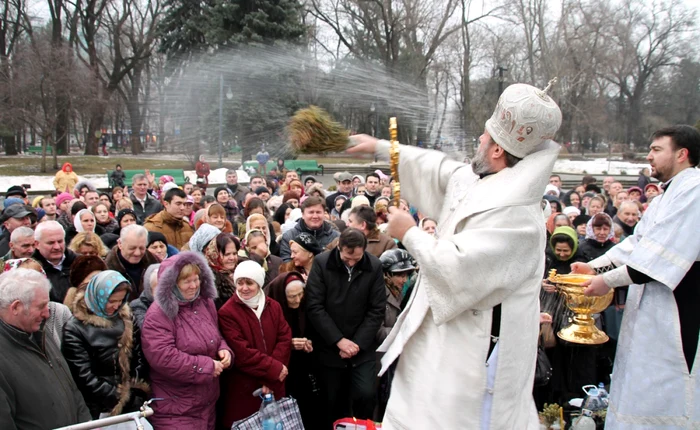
point(582, 330)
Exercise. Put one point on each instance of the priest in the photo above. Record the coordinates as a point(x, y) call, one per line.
point(468, 336)
point(655, 383)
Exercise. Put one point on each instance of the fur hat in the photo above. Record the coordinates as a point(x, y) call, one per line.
point(250, 270)
point(524, 118)
point(167, 280)
point(83, 266)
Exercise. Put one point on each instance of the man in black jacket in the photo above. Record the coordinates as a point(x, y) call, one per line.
point(345, 305)
point(54, 257)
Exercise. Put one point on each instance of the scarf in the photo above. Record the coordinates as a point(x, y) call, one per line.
point(180, 298)
point(100, 288)
point(14, 263)
point(589, 228)
point(256, 304)
point(79, 225)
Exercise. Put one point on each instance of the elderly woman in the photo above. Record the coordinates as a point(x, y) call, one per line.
point(183, 346)
point(599, 236)
point(222, 256)
point(256, 329)
point(428, 225)
point(256, 243)
point(303, 249)
point(99, 346)
point(288, 290)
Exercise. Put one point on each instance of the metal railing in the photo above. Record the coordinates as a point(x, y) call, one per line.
point(136, 417)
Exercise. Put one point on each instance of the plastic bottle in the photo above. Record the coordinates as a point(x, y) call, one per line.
point(603, 394)
point(270, 414)
point(584, 422)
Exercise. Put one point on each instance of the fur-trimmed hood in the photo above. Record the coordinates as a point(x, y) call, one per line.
point(168, 280)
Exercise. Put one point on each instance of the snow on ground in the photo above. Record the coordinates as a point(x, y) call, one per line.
point(592, 167)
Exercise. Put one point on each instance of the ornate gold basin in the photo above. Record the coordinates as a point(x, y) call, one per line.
point(583, 329)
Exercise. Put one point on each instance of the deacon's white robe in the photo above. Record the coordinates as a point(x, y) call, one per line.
point(489, 251)
point(651, 387)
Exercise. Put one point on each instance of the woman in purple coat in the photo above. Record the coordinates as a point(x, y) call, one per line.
point(183, 345)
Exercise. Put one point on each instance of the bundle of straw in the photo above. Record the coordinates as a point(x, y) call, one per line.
point(312, 130)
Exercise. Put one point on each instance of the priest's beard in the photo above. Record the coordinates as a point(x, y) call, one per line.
point(480, 164)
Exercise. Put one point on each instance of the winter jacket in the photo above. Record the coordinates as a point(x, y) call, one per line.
point(114, 262)
point(592, 249)
point(391, 314)
point(224, 287)
point(176, 231)
point(59, 315)
point(105, 360)
point(110, 227)
point(150, 207)
point(341, 305)
point(65, 181)
point(262, 347)
point(60, 281)
point(117, 178)
point(180, 342)
point(324, 236)
point(5, 242)
point(378, 242)
point(36, 388)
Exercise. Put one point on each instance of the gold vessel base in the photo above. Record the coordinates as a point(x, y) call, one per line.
point(583, 334)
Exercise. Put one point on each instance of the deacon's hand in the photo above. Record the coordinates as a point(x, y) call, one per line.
point(399, 223)
point(362, 144)
point(582, 269)
point(595, 287)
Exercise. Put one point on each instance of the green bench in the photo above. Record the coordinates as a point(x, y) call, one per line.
point(37, 150)
point(177, 174)
point(301, 166)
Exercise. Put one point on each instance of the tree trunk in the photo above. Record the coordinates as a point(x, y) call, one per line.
point(10, 145)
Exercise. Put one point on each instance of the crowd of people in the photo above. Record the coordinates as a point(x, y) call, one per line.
point(161, 291)
point(155, 290)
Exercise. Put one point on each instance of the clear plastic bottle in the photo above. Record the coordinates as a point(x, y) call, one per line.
point(270, 414)
point(603, 394)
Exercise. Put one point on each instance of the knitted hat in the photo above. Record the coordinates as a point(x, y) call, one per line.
point(63, 197)
point(308, 242)
point(36, 201)
point(123, 212)
point(524, 118)
point(217, 190)
point(261, 190)
point(168, 186)
point(581, 219)
point(154, 236)
point(83, 266)
point(250, 270)
point(359, 201)
point(571, 210)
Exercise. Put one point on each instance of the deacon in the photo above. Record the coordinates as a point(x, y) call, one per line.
point(468, 336)
point(654, 384)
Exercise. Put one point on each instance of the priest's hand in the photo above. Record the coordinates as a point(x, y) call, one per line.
point(582, 269)
point(362, 144)
point(399, 223)
point(595, 287)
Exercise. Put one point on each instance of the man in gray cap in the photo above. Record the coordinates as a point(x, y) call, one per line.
point(468, 335)
point(344, 184)
point(12, 217)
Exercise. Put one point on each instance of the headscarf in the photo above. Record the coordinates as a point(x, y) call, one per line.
point(67, 167)
point(213, 256)
point(79, 225)
point(245, 245)
point(200, 238)
point(550, 222)
point(254, 217)
point(14, 263)
point(589, 227)
point(100, 288)
point(277, 290)
point(564, 231)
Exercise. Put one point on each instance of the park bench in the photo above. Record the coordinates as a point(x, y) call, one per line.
point(37, 150)
point(300, 166)
point(177, 174)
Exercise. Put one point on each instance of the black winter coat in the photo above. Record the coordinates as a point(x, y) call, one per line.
point(592, 249)
point(340, 305)
point(60, 281)
point(103, 354)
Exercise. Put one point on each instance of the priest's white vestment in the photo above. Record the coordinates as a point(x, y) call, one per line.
point(489, 251)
